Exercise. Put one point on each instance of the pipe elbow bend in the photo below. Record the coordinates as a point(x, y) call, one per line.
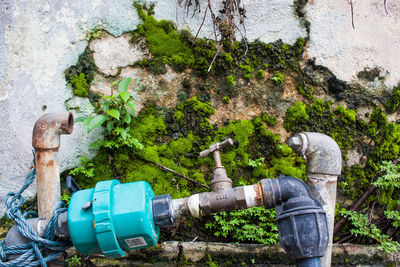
point(301, 220)
point(49, 127)
point(278, 191)
point(322, 152)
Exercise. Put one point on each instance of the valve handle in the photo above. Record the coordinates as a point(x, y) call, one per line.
point(216, 146)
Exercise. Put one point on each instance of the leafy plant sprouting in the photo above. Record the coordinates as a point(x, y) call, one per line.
point(86, 168)
point(256, 163)
point(391, 178)
point(363, 227)
point(116, 112)
point(252, 225)
point(74, 261)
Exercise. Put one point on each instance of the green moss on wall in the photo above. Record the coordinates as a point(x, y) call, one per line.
point(278, 78)
point(82, 73)
point(174, 140)
point(181, 50)
point(394, 101)
point(80, 85)
point(164, 40)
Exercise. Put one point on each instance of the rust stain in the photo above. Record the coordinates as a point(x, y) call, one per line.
point(259, 195)
point(49, 126)
point(50, 163)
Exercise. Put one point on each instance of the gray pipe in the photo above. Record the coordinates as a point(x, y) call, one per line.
point(324, 164)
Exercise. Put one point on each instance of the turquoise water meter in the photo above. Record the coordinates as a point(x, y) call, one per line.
point(113, 218)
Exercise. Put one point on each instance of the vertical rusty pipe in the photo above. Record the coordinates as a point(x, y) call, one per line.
point(46, 142)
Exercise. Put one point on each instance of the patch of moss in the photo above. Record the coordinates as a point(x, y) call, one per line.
point(269, 120)
point(260, 74)
point(155, 65)
point(85, 66)
point(5, 225)
point(306, 91)
point(229, 81)
point(80, 85)
point(247, 69)
point(226, 100)
point(394, 101)
point(369, 74)
point(164, 40)
point(296, 117)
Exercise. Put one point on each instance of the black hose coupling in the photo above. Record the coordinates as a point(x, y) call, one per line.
point(162, 210)
point(302, 222)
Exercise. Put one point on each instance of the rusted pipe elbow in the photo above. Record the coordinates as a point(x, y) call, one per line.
point(322, 152)
point(47, 130)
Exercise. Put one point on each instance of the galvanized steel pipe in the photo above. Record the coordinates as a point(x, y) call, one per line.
point(324, 164)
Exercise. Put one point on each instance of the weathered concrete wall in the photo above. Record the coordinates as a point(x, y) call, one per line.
point(374, 42)
point(40, 39)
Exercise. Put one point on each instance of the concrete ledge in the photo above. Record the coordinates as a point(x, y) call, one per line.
point(175, 253)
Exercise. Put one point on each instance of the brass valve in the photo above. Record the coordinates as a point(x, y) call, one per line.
point(220, 180)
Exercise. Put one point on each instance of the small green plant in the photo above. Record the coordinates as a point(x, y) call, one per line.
point(278, 78)
point(255, 225)
point(256, 163)
point(226, 100)
point(362, 227)
point(80, 85)
point(393, 215)
point(74, 261)
point(86, 168)
point(116, 112)
point(66, 197)
point(391, 178)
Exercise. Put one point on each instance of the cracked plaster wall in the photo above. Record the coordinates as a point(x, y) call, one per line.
point(40, 39)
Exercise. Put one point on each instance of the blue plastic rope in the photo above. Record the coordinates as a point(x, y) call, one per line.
point(39, 250)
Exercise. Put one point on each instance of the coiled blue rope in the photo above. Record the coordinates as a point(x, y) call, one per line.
point(39, 250)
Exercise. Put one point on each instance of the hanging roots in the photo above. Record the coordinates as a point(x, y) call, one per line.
point(229, 21)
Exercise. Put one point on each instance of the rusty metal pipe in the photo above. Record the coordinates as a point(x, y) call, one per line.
point(206, 203)
point(46, 142)
point(324, 164)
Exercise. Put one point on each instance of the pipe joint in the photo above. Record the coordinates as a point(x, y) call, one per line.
point(322, 152)
point(302, 222)
point(47, 130)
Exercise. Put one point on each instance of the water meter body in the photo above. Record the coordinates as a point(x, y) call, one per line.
point(112, 218)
